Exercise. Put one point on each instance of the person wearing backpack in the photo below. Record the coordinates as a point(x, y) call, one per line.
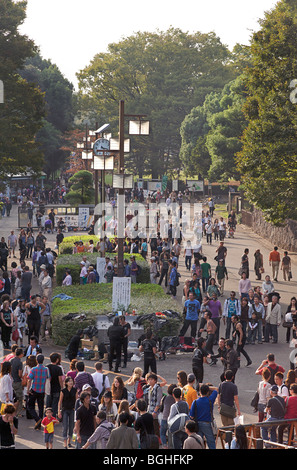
point(275, 409)
point(101, 380)
point(180, 407)
point(270, 363)
point(102, 432)
point(149, 348)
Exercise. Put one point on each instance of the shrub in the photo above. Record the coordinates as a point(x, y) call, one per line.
point(96, 299)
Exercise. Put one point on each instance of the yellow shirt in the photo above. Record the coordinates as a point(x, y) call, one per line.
point(189, 394)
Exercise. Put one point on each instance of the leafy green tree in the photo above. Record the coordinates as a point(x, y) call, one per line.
point(211, 134)
point(160, 74)
point(268, 159)
point(226, 128)
point(81, 188)
point(22, 112)
point(59, 99)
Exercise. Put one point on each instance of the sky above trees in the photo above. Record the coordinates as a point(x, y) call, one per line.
point(71, 32)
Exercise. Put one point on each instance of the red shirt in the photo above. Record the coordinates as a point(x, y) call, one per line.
point(291, 412)
point(47, 421)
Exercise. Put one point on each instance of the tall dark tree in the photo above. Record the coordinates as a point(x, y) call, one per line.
point(22, 112)
point(58, 93)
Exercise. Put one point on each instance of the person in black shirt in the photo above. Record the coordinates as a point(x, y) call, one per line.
point(85, 423)
point(56, 374)
point(115, 334)
point(8, 427)
point(149, 348)
point(72, 348)
point(144, 425)
point(199, 357)
point(127, 331)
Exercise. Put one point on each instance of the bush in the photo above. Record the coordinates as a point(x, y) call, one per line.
point(93, 300)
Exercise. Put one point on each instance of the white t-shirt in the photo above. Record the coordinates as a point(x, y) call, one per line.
point(98, 381)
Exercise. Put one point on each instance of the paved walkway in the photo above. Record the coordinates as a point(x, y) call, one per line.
point(246, 379)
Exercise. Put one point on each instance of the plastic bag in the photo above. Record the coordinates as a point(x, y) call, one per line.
point(238, 420)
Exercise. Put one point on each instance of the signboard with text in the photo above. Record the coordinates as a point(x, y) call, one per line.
point(121, 293)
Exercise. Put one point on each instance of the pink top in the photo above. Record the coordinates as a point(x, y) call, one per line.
point(244, 286)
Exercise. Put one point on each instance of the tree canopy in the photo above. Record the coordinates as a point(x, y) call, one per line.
point(59, 105)
point(160, 74)
point(22, 112)
point(268, 159)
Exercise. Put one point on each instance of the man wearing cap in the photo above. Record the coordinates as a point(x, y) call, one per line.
point(276, 411)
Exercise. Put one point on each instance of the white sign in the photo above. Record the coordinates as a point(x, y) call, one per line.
point(195, 185)
point(83, 216)
point(101, 269)
point(121, 293)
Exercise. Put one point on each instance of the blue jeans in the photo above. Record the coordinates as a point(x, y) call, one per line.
point(52, 401)
point(163, 430)
point(68, 423)
point(188, 262)
point(271, 330)
point(204, 429)
point(272, 431)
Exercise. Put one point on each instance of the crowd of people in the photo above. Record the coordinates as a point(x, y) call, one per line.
point(145, 411)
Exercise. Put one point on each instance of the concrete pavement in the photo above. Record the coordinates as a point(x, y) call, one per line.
point(246, 379)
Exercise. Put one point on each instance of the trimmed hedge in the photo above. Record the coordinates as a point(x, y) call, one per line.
point(96, 299)
point(72, 262)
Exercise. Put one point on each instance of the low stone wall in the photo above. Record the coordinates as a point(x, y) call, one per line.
point(284, 237)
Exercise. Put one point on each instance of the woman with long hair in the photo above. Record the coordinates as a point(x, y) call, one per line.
point(118, 390)
point(240, 440)
point(182, 379)
point(109, 407)
point(137, 381)
point(124, 407)
point(66, 406)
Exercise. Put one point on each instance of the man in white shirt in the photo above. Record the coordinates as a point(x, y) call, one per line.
point(101, 380)
point(12, 243)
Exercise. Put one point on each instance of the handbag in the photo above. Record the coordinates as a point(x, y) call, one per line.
point(228, 411)
point(25, 380)
point(15, 335)
point(255, 401)
point(214, 426)
point(287, 324)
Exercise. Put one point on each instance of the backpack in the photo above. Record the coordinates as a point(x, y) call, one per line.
point(177, 423)
point(1, 285)
point(103, 388)
point(273, 372)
